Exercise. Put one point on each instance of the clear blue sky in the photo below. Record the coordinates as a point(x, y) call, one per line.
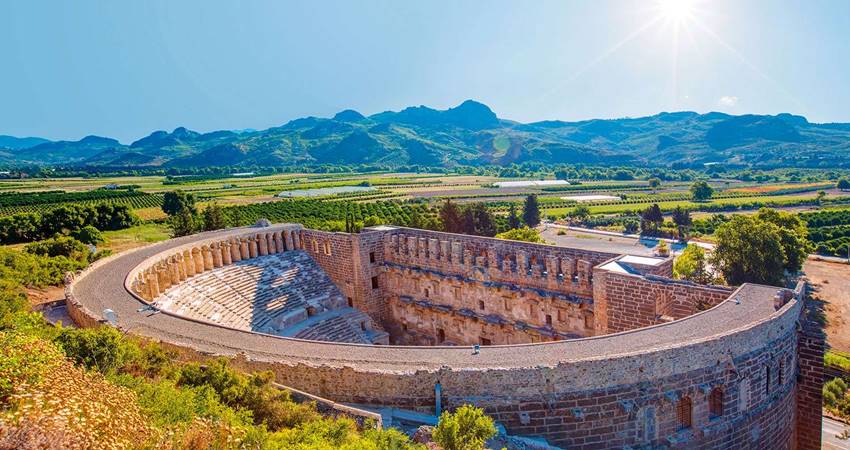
point(126, 68)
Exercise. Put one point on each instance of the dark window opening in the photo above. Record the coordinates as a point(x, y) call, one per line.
point(371, 257)
point(363, 326)
point(311, 311)
point(441, 335)
point(715, 403)
point(481, 305)
point(548, 320)
point(427, 294)
point(683, 413)
point(374, 282)
point(485, 341)
point(350, 302)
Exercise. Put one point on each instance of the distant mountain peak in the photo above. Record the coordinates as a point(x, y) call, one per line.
point(349, 115)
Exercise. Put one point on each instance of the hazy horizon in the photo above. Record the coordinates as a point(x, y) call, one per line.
point(125, 70)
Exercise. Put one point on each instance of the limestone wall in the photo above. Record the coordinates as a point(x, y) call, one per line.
point(625, 301)
point(431, 308)
point(560, 269)
point(156, 274)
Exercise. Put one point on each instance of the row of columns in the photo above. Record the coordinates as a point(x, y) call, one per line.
point(420, 249)
point(170, 270)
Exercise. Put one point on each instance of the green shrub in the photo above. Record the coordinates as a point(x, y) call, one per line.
point(89, 235)
point(468, 428)
point(24, 359)
point(60, 246)
point(255, 392)
point(104, 348)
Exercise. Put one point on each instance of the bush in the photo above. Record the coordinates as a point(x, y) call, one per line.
point(102, 348)
point(60, 246)
point(254, 392)
point(89, 235)
point(468, 428)
point(523, 234)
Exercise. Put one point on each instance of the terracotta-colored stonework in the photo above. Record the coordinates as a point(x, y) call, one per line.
point(585, 349)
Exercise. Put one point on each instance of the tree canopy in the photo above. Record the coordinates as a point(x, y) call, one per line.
point(176, 201)
point(531, 211)
point(749, 250)
point(701, 191)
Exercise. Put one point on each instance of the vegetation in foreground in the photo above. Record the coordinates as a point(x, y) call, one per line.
point(99, 388)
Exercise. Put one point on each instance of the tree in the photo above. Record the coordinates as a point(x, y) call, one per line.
point(843, 184)
point(176, 201)
point(478, 220)
point(701, 191)
point(89, 235)
point(214, 217)
point(468, 428)
point(580, 212)
point(692, 265)
point(793, 234)
point(749, 250)
point(450, 215)
point(631, 226)
point(654, 183)
point(651, 219)
point(513, 220)
point(683, 221)
point(523, 234)
point(531, 211)
point(183, 223)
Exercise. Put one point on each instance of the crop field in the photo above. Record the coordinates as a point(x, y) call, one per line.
point(410, 198)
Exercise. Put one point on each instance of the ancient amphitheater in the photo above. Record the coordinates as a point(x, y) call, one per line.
point(585, 349)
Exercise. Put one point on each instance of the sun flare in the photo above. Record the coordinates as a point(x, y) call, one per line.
point(676, 11)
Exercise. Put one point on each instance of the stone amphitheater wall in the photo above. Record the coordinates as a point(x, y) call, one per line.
point(625, 301)
point(767, 372)
point(605, 402)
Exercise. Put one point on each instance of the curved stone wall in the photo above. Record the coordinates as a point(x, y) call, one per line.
point(732, 369)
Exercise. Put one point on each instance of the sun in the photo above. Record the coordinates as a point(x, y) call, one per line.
point(676, 11)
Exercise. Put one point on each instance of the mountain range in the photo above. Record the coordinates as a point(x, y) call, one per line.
point(469, 134)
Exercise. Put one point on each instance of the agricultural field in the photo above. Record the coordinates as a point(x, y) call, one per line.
point(326, 200)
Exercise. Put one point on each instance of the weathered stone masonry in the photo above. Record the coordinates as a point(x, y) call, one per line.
point(687, 366)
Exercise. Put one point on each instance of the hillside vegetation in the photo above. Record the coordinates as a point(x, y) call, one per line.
point(469, 134)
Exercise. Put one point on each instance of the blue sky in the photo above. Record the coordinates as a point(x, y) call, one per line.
point(124, 69)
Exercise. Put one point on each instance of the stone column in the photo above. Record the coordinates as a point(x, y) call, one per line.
point(287, 239)
point(296, 241)
point(216, 254)
point(444, 251)
point(457, 252)
point(243, 248)
point(252, 247)
point(207, 255)
point(226, 258)
point(584, 273)
point(278, 242)
point(188, 264)
point(162, 278)
point(422, 248)
point(198, 258)
point(522, 263)
point(568, 268)
point(411, 247)
point(262, 245)
point(433, 244)
point(235, 253)
point(152, 284)
point(181, 267)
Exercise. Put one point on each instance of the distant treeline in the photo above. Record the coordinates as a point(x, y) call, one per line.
point(676, 172)
point(66, 219)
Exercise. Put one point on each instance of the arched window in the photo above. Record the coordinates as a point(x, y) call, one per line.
point(684, 411)
point(715, 402)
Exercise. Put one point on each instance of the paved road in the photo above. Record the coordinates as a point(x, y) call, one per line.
point(831, 429)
